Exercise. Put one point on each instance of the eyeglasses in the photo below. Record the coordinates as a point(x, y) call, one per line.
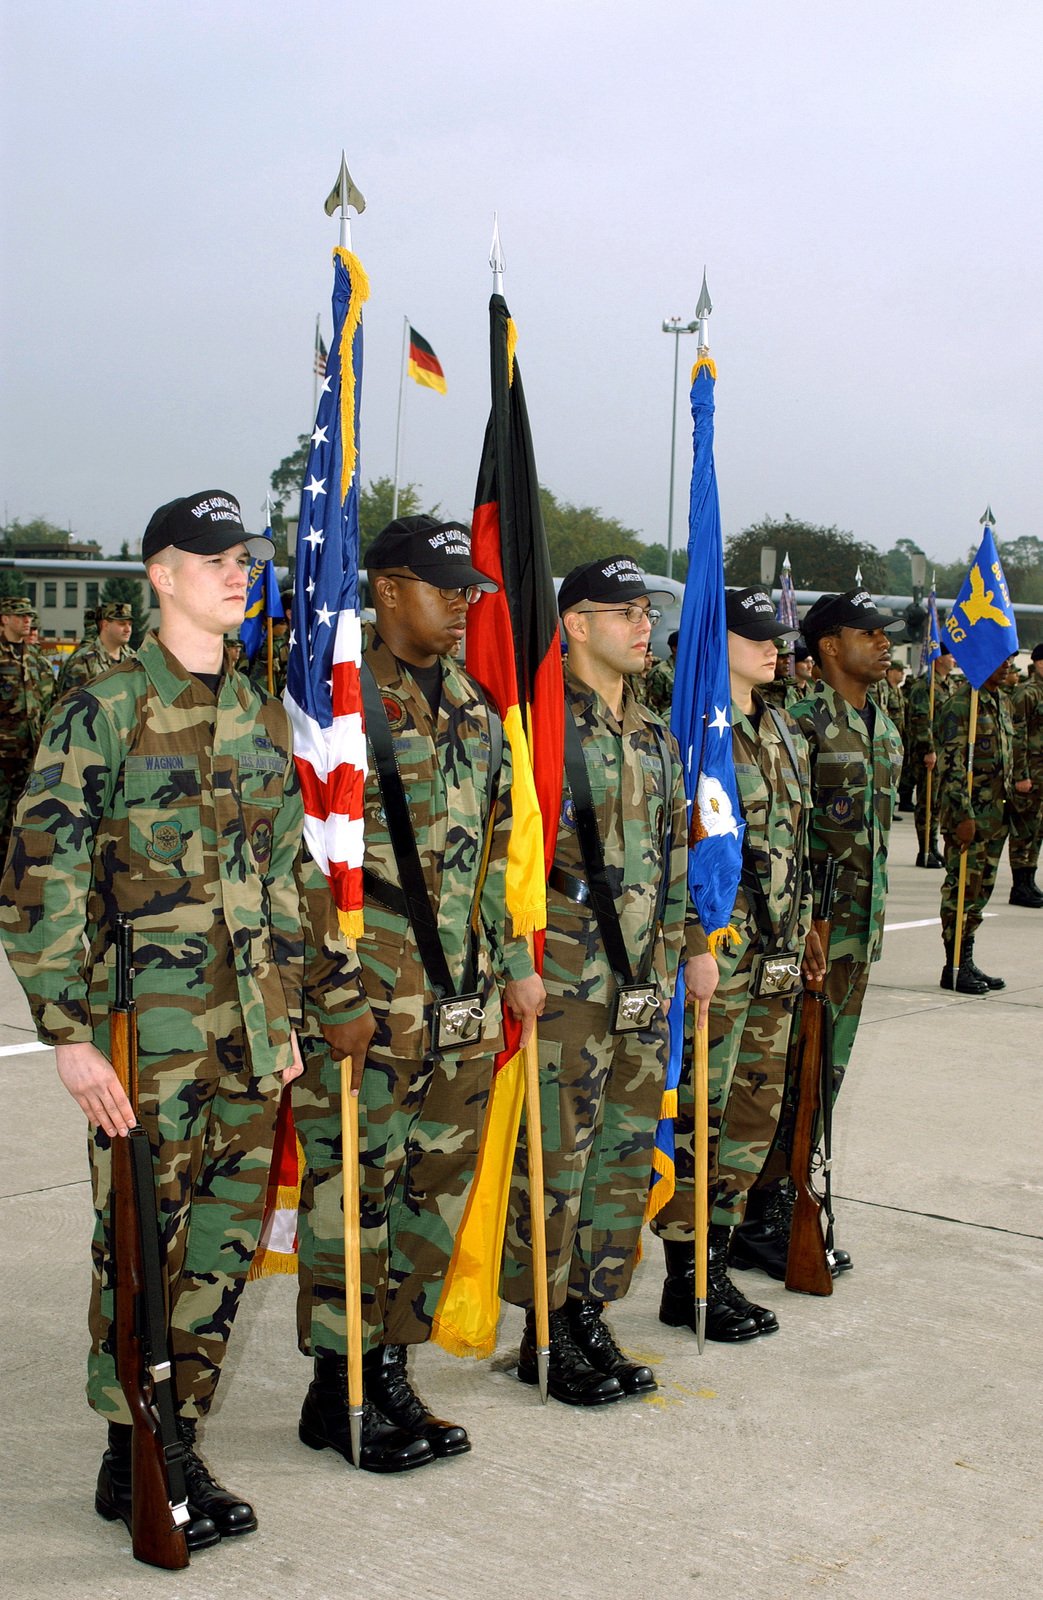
point(470, 594)
point(633, 614)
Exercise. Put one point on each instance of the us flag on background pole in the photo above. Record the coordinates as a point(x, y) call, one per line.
point(323, 696)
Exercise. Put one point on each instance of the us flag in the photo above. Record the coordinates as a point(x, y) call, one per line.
point(323, 696)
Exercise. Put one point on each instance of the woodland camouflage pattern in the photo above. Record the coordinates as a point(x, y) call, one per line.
point(149, 798)
point(1026, 832)
point(988, 804)
point(420, 1117)
point(88, 662)
point(749, 1038)
point(26, 691)
point(922, 741)
point(600, 1092)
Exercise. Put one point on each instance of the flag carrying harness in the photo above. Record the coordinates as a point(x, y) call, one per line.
point(458, 1015)
point(637, 999)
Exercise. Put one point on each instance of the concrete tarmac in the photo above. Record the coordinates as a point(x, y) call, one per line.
point(884, 1444)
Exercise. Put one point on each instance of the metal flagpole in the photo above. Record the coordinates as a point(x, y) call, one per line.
point(972, 734)
point(269, 636)
point(531, 1062)
point(345, 194)
point(925, 841)
point(398, 424)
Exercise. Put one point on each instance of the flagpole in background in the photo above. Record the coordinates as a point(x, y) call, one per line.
point(932, 633)
point(315, 368)
point(398, 423)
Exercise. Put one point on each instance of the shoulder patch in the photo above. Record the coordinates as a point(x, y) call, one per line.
point(44, 778)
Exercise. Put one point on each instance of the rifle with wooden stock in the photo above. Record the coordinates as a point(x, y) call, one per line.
point(807, 1262)
point(159, 1509)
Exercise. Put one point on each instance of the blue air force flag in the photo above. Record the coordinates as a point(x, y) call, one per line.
point(980, 630)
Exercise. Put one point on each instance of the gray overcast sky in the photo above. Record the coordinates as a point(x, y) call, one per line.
point(862, 183)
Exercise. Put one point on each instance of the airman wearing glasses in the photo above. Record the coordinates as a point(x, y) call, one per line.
point(616, 903)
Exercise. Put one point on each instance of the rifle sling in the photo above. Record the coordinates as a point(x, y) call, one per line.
point(593, 854)
point(412, 899)
point(153, 1313)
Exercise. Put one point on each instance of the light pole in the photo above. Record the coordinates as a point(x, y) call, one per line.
point(676, 327)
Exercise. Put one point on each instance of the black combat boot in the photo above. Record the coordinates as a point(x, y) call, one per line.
point(1025, 891)
point(967, 964)
point(724, 1300)
point(324, 1424)
point(930, 858)
point(112, 1497)
point(229, 1512)
point(388, 1386)
point(762, 1238)
point(593, 1338)
point(571, 1378)
point(724, 1322)
point(964, 981)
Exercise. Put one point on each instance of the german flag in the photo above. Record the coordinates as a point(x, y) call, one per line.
point(514, 650)
point(424, 366)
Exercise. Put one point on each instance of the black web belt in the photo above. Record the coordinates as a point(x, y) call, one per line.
point(412, 899)
point(597, 887)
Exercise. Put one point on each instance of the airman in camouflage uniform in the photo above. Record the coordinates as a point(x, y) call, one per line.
point(748, 1032)
point(922, 752)
point(166, 791)
point(26, 691)
point(421, 1111)
point(785, 691)
point(974, 824)
point(856, 759)
point(258, 667)
point(1026, 832)
point(659, 683)
point(109, 646)
point(890, 693)
point(600, 1089)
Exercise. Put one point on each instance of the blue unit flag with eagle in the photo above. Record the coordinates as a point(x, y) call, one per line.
point(980, 629)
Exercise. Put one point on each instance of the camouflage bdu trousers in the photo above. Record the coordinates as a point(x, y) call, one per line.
point(211, 1144)
point(1026, 828)
point(600, 1094)
point(983, 859)
point(920, 810)
point(748, 1043)
point(845, 990)
point(420, 1123)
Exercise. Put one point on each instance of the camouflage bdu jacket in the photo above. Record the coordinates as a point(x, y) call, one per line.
point(894, 703)
point(636, 821)
point(922, 734)
point(854, 785)
point(26, 691)
point(993, 759)
point(1028, 733)
point(659, 688)
point(148, 797)
point(776, 801)
point(445, 772)
point(88, 663)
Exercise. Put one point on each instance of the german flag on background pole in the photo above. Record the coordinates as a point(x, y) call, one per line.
point(514, 650)
point(424, 366)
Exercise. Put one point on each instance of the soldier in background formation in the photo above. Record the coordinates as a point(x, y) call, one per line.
point(922, 749)
point(258, 668)
point(107, 648)
point(659, 685)
point(616, 902)
point(1026, 832)
point(890, 694)
point(26, 691)
point(856, 759)
point(751, 1012)
point(975, 824)
point(435, 948)
point(165, 790)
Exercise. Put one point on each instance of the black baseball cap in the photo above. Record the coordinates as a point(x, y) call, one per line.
point(1037, 653)
point(856, 608)
point(750, 614)
point(203, 524)
point(611, 578)
point(437, 552)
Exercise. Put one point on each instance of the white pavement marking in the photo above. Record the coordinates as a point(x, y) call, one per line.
point(927, 922)
point(22, 1049)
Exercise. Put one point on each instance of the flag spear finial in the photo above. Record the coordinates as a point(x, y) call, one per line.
point(344, 194)
point(987, 519)
point(496, 260)
point(702, 311)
